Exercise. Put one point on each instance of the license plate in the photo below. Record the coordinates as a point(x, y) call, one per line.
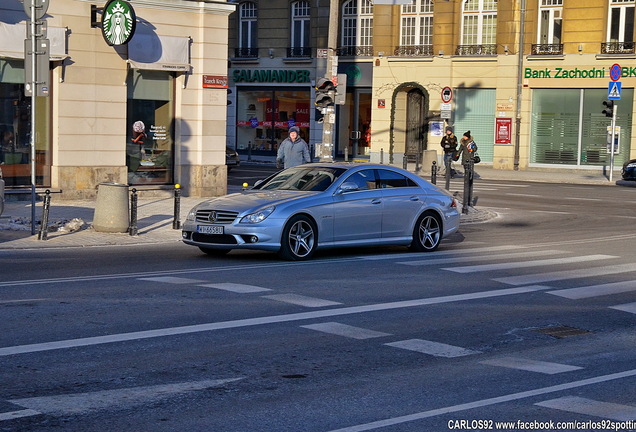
point(209, 229)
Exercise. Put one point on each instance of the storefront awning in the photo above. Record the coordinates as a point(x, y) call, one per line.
point(12, 38)
point(151, 51)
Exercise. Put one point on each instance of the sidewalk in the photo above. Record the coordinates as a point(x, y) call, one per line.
point(156, 215)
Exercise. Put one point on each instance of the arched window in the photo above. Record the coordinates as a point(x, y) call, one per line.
point(300, 13)
point(247, 30)
point(479, 27)
point(357, 28)
point(416, 29)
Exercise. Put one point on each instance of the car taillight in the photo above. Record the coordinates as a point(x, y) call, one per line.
point(453, 203)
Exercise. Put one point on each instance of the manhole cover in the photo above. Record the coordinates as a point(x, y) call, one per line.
point(563, 331)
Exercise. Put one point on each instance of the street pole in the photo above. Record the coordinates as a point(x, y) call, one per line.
point(612, 141)
point(326, 147)
point(33, 111)
point(522, 24)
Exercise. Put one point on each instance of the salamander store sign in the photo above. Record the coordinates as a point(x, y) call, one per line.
point(118, 22)
point(271, 76)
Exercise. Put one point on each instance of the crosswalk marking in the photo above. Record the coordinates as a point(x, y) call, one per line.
point(443, 253)
point(628, 307)
point(591, 407)
point(301, 300)
point(235, 287)
point(531, 365)
point(567, 274)
point(346, 330)
point(171, 280)
point(525, 264)
point(596, 290)
point(12, 415)
point(432, 348)
point(441, 261)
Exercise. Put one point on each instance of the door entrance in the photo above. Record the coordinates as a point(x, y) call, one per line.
point(354, 137)
point(415, 125)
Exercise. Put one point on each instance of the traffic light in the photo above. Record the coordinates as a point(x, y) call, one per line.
point(325, 93)
point(609, 108)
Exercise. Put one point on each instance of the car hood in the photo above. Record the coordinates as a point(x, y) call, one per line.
point(253, 200)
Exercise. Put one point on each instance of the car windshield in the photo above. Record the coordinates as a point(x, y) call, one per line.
point(302, 178)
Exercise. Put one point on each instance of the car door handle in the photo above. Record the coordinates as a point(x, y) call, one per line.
point(376, 201)
point(415, 198)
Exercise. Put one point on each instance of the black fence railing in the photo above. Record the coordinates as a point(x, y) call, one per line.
point(547, 49)
point(246, 52)
point(299, 52)
point(413, 50)
point(468, 50)
point(617, 48)
point(355, 51)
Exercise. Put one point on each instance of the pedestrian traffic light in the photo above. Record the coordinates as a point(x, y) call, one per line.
point(609, 108)
point(325, 93)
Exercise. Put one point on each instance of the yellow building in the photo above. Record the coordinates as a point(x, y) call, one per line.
point(531, 98)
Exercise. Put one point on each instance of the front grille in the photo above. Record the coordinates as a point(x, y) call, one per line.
point(214, 238)
point(216, 216)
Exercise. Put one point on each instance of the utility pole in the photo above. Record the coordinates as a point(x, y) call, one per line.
point(326, 147)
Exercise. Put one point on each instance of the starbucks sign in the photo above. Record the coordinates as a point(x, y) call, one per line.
point(118, 22)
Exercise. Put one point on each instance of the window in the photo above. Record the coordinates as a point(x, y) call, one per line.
point(357, 28)
point(364, 179)
point(247, 30)
point(150, 120)
point(550, 27)
point(479, 27)
point(620, 29)
point(300, 29)
point(416, 30)
point(391, 179)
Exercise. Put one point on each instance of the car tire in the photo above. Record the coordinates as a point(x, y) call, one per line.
point(299, 239)
point(213, 252)
point(427, 233)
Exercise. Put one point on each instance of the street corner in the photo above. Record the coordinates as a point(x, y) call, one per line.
point(477, 215)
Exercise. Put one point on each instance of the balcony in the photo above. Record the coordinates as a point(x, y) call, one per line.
point(617, 48)
point(299, 52)
point(476, 50)
point(414, 51)
point(246, 53)
point(547, 49)
point(355, 51)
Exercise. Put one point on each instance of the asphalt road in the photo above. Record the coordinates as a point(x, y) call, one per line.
point(527, 319)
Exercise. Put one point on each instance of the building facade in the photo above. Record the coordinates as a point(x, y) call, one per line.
point(150, 113)
point(526, 77)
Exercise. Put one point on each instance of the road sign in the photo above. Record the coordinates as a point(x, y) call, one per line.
point(447, 94)
point(445, 107)
point(42, 50)
point(614, 90)
point(615, 72)
point(41, 6)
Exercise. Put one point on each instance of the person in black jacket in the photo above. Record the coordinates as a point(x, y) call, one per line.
point(449, 145)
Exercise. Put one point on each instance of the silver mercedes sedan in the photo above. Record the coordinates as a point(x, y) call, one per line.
point(300, 209)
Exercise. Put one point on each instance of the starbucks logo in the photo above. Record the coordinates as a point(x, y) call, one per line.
point(118, 22)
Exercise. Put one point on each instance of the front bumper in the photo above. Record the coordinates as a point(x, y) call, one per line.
point(235, 236)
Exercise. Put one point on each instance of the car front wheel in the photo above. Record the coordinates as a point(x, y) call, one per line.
point(427, 233)
point(299, 239)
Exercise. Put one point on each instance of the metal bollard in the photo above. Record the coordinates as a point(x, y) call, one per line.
point(434, 173)
point(133, 229)
point(44, 231)
point(447, 173)
point(249, 150)
point(176, 223)
point(382, 156)
point(405, 161)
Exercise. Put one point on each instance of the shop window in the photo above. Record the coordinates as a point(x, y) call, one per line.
point(300, 30)
point(247, 30)
point(416, 30)
point(356, 28)
point(15, 129)
point(150, 122)
point(475, 112)
point(265, 116)
point(479, 28)
point(620, 29)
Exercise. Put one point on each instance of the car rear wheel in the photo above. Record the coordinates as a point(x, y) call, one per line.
point(427, 233)
point(213, 252)
point(299, 239)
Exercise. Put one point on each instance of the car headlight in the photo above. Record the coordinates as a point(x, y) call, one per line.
point(192, 214)
point(631, 165)
point(258, 216)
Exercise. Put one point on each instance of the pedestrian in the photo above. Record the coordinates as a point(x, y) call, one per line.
point(467, 148)
point(449, 145)
point(293, 150)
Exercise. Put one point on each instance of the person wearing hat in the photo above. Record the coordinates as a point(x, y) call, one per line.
point(467, 148)
point(293, 150)
point(449, 145)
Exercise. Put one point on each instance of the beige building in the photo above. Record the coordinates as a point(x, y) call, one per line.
point(150, 113)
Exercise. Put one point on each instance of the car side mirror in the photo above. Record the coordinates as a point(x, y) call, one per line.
point(347, 187)
point(258, 182)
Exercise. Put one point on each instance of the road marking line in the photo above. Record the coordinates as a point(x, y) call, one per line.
point(530, 365)
point(12, 415)
point(432, 348)
point(591, 407)
point(440, 261)
point(301, 300)
point(21, 301)
point(596, 290)
point(83, 403)
point(526, 264)
point(452, 252)
point(524, 195)
point(171, 280)
point(487, 402)
point(568, 274)
point(235, 287)
point(628, 307)
point(346, 330)
point(249, 322)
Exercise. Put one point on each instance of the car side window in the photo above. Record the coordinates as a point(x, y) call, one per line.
point(365, 179)
point(392, 179)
